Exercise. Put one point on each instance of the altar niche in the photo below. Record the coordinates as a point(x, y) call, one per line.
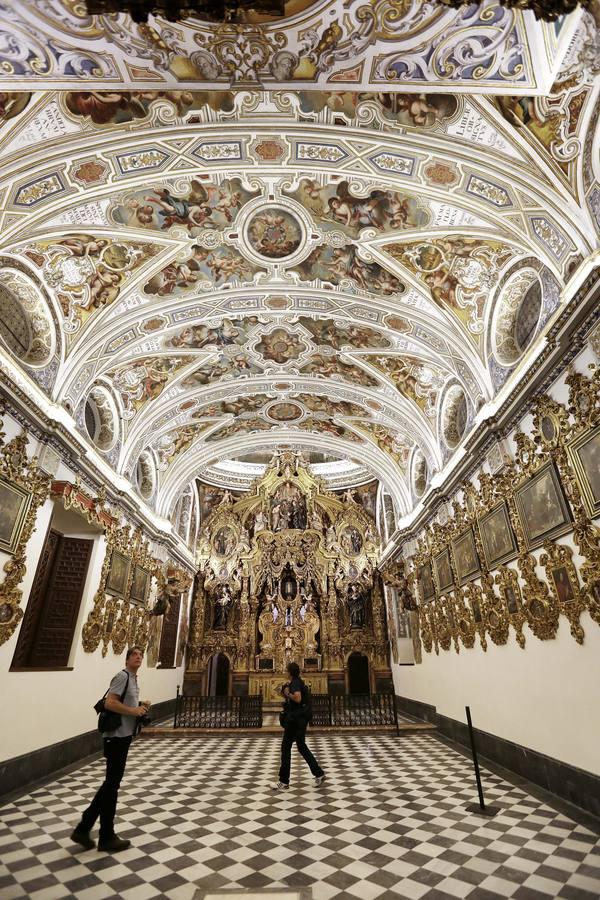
point(287, 573)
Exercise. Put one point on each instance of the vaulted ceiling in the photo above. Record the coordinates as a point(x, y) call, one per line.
point(227, 242)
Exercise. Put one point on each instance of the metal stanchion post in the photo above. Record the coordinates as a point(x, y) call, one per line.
point(479, 808)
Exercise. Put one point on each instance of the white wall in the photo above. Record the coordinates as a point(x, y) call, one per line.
point(45, 707)
point(544, 697)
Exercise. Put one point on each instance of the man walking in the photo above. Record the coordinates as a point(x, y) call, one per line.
point(123, 698)
point(295, 722)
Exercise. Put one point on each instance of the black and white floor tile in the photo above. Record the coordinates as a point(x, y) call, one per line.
point(390, 821)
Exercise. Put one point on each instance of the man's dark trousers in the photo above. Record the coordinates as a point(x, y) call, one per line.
point(295, 731)
point(104, 803)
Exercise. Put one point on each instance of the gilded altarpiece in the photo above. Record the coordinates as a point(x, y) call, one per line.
point(287, 573)
point(550, 489)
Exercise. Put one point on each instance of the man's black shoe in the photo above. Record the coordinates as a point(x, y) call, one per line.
point(83, 838)
point(113, 844)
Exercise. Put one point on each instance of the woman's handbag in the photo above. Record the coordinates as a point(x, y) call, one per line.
point(107, 720)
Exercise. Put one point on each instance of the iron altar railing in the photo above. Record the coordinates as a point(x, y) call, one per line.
point(218, 712)
point(354, 710)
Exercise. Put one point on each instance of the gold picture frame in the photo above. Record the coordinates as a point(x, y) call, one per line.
point(442, 567)
point(425, 577)
point(497, 537)
point(15, 502)
point(584, 455)
point(542, 507)
point(466, 557)
point(118, 574)
point(139, 585)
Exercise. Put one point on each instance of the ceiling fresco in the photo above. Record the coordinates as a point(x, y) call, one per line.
point(345, 43)
point(310, 245)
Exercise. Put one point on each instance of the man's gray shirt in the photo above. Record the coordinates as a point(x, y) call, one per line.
point(131, 698)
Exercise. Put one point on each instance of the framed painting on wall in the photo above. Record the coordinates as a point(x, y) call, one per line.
point(465, 556)
point(584, 454)
point(497, 537)
point(116, 583)
point(542, 507)
point(443, 570)
point(426, 581)
point(139, 585)
point(14, 506)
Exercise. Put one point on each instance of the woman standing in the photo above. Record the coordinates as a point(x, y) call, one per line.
point(296, 716)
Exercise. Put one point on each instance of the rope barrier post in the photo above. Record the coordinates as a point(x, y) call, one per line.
point(176, 708)
point(479, 808)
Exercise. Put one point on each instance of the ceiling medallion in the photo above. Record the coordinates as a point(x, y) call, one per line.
point(274, 233)
point(284, 412)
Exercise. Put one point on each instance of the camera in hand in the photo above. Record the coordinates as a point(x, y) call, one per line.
point(144, 721)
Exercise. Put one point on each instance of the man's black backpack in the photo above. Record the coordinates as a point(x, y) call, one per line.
point(107, 720)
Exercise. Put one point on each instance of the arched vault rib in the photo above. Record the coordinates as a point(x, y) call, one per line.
point(499, 168)
point(112, 325)
point(398, 414)
point(184, 469)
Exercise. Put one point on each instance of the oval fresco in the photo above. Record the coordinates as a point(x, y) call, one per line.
point(274, 233)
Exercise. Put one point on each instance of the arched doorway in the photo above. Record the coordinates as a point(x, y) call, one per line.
point(218, 676)
point(358, 674)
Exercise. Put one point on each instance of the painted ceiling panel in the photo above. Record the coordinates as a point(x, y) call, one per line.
point(353, 45)
point(319, 256)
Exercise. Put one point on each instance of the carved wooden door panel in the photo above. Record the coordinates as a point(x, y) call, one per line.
point(55, 599)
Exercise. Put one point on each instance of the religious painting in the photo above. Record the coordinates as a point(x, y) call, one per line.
point(14, 506)
point(274, 233)
point(477, 617)
point(227, 333)
point(443, 570)
point(542, 507)
point(223, 366)
point(497, 536)
point(414, 110)
point(217, 266)
point(465, 556)
point(512, 598)
point(334, 206)
point(351, 541)
point(459, 271)
point(338, 264)
point(288, 508)
point(116, 107)
point(142, 380)
point(183, 634)
point(224, 541)
point(336, 334)
point(199, 207)
point(154, 630)
point(118, 574)
point(324, 366)
point(87, 271)
point(562, 585)
point(285, 412)
point(139, 585)
point(425, 577)
point(584, 453)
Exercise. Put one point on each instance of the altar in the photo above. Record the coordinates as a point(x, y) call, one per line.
point(287, 573)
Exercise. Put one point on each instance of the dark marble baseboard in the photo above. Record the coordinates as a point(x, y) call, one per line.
point(576, 786)
point(22, 773)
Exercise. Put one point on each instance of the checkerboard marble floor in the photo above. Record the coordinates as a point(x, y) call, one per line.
point(390, 821)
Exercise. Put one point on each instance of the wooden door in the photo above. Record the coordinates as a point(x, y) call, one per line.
point(47, 632)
